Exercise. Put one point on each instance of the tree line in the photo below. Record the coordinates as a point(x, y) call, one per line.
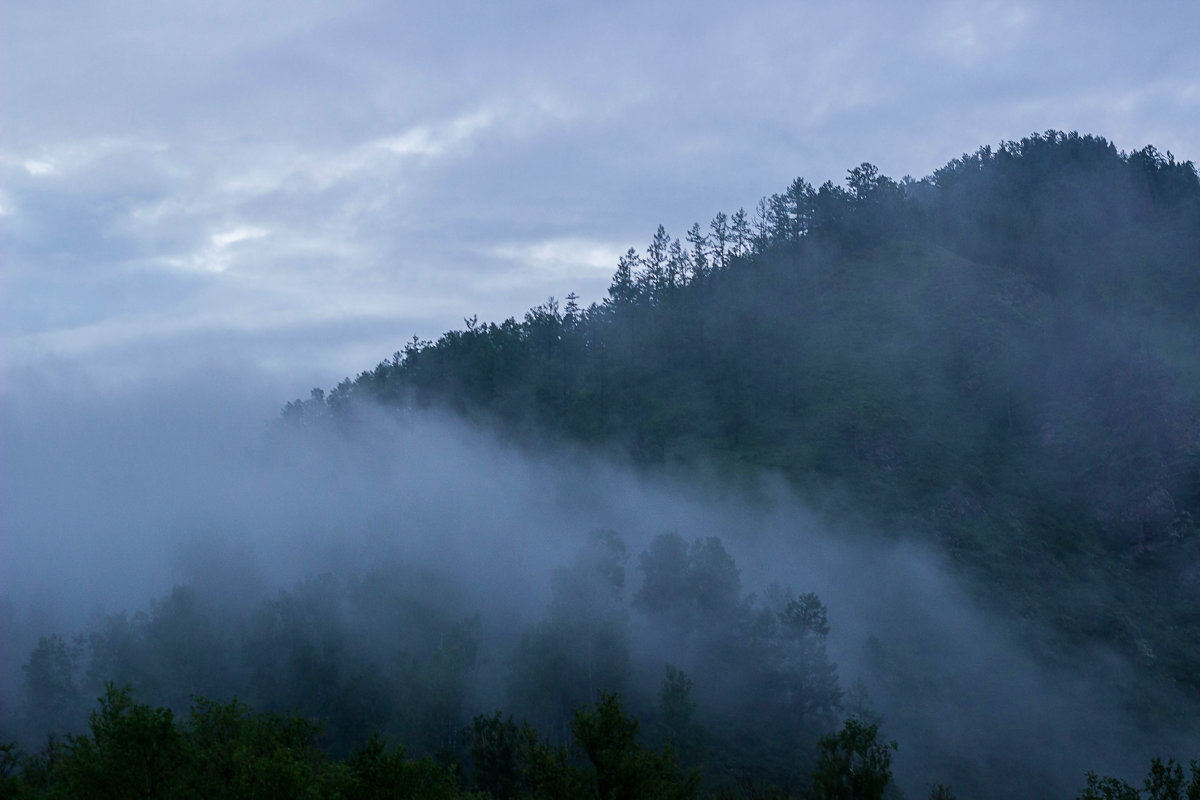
point(749, 690)
point(225, 750)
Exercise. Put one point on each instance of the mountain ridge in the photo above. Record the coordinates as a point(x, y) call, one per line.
point(1002, 357)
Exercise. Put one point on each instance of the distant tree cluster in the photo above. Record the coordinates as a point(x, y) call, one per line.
point(225, 750)
point(133, 750)
point(749, 692)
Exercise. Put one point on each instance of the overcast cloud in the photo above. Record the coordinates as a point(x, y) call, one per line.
point(301, 187)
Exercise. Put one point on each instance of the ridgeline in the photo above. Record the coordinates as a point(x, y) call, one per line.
point(1002, 358)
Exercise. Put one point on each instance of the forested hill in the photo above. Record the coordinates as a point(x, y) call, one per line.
point(1003, 357)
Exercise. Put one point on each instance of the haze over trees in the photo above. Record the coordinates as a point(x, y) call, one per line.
point(1000, 361)
point(1002, 357)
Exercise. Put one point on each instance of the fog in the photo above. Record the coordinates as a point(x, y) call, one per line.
point(111, 497)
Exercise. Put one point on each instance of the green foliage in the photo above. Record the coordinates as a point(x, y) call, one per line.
point(1165, 781)
point(852, 765)
point(377, 772)
point(623, 769)
point(241, 753)
point(225, 750)
point(1108, 789)
point(768, 688)
point(677, 722)
point(133, 751)
point(51, 685)
point(380, 653)
point(11, 758)
point(509, 761)
point(582, 648)
point(405, 670)
point(222, 750)
point(811, 677)
point(689, 585)
point(497, 750)
point(552, 776)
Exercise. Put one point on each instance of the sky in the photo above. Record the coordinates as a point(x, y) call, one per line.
point(298, 188)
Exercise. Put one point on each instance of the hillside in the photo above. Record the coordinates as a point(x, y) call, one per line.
point(1002, 358)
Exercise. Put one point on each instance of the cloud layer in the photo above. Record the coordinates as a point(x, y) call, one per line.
point(304, 187)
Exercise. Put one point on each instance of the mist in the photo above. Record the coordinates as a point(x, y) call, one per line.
point(114, 497)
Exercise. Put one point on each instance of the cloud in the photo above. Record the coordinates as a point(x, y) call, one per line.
point(426, 154)
point(235, 235)
point(221, 250)
point(431, 142)
point(40, 167)
point(564, 260)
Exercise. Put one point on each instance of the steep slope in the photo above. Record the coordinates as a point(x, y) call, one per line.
point(1002, 358)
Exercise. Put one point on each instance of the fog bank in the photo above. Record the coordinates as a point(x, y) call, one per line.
point(112, 497)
